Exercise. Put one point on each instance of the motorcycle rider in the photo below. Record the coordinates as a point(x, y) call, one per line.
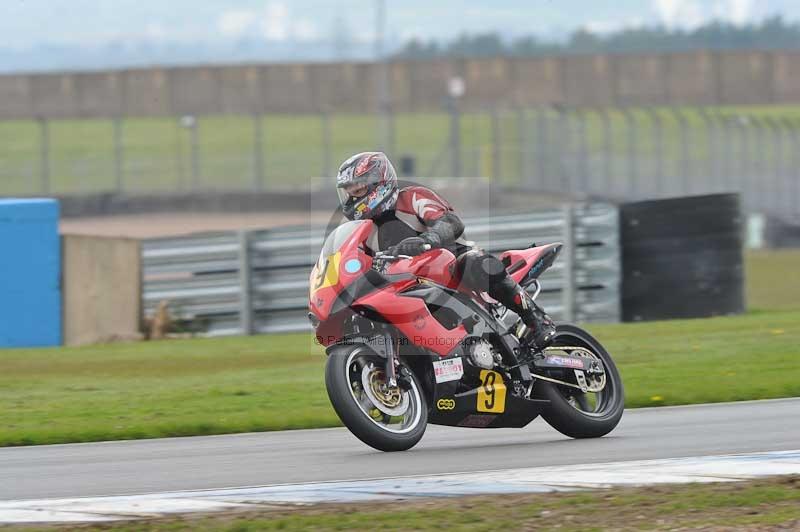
point(413, 219)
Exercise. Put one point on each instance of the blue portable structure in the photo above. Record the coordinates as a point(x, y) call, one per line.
point(30, 273)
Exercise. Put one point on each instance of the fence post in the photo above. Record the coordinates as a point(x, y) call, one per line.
point(795, 175)
point(258, 151)
point(190, 122)
point(780, 191)
point(245, 285)
point(195, 136)
point(728, 128)
point(774, 201)
point(658, 148)
point(496, 140)
point(564, 149)
point(391, 132)
point(789, 165)
point(542, 146)
point(44, 161)
point(583, 153)
point(180, 163)
point(757, 179)
point(455, 137)
point(522, 141)
point(326, 144)
point(608, 163)
point(711, 150)
point(633, 166)
point(568, 290)
point(521, 144)
point(684, 139)
point(119, 153)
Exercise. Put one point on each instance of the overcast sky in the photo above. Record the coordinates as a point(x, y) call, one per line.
point(24, 23)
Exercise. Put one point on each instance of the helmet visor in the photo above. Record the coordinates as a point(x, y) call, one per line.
point(352, 192)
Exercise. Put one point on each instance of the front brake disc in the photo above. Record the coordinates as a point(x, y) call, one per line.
point(392, 402)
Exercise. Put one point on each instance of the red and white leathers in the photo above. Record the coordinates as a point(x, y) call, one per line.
point(419, 211)
point(421, 215)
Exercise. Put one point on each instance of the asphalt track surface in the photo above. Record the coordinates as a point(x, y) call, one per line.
point(151, 466)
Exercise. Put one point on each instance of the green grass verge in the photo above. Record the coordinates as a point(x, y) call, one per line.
point(772, 279)
point(755, 505)
point(226, 385)
point(157, 152)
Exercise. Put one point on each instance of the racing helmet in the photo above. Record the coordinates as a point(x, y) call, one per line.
point(366, 185)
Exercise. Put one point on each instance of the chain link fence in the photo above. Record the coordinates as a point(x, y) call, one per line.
point(618, 153)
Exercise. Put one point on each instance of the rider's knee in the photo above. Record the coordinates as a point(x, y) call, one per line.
point(481, 270)
point(492, 268)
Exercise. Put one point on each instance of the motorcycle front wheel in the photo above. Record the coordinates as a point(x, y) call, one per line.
point(385, 418)
point(580, 414)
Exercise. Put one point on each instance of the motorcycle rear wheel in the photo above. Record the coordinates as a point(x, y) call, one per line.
point(574, 413)
point(385, 419)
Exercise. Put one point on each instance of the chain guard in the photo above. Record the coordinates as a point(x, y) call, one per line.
point(595, 382)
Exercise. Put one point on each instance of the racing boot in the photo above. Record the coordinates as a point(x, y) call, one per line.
point(537, 329)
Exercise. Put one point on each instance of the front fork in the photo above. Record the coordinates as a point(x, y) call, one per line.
point(395, 374)
point(391, 358)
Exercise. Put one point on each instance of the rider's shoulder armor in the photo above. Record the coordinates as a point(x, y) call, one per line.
point(421, 203)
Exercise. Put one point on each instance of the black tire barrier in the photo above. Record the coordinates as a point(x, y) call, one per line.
point(682, 258)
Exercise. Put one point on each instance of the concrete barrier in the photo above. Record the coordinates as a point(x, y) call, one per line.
point(102, 289)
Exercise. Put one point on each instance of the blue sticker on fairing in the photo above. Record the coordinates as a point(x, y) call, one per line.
point(352, 266)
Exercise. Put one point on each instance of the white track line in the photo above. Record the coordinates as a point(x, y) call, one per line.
point(722, 468)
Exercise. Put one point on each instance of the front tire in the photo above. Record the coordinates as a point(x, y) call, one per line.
point(383, 418)
point(572, 412)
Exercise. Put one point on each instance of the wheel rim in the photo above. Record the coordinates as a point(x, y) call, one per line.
point(593, 404)
point(394, 410)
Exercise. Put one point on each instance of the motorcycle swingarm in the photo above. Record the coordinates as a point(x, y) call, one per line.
point(565, 361)
point(556, 381)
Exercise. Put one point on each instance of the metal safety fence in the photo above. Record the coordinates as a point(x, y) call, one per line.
point(254, 282)
point(626, 153)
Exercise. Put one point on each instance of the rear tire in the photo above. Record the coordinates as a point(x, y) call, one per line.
point(566, 417)
point(341, 374)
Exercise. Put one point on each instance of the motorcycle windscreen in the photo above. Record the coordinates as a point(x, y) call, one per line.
point(338, 265)
point(339, 236)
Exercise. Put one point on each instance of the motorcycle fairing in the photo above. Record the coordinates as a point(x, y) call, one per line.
point(482, 399)
point(334, 270)
point(368, 283)
point(525, 265)
point(437, 265)
point(474, 319)
point(412, 317)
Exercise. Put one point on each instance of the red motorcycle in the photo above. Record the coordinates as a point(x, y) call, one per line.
point(409, 345)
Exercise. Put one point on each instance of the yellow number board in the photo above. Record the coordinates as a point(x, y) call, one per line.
point(492, 393)
point(326, 272)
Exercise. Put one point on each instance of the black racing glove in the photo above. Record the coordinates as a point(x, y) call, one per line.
point(411, 246)
point(444, 232)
